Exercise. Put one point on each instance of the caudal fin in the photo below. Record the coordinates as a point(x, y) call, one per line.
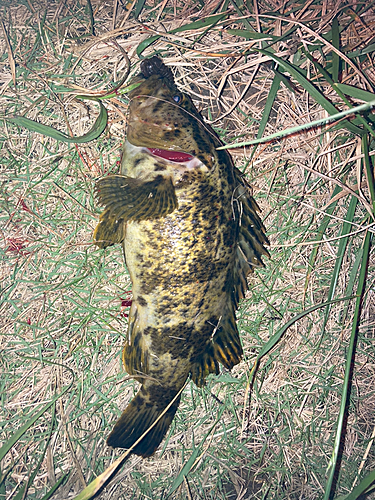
point(138, 417)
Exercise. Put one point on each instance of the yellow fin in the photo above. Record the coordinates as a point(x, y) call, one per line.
point(135, 354)
point(252, 237)
point(109, 231)
point(224, 347)
point(137, 418)
point(128, 198)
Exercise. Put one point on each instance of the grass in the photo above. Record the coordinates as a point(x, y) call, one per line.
point(295, 420)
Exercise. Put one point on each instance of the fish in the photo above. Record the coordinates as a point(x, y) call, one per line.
point(191, 234)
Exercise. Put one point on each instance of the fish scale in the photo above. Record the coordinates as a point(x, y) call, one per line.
point(191, 235)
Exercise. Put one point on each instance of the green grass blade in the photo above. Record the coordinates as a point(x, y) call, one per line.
point(188, 465)
point(355, 92)
point(310, 88)
point(351, 281)
point(303, 81)
point(190, 462)
point(111, 93)
point(346, 227)
point(336, 44)
point(16, 436)
point(245, 22)
point(2, 485)
point(98, 483)
point(91, 17)
point(268, 106)
point(348, 367)
point(369, 171)
point(281, 331)
point(362, 488)
point(195, 25)
point(95, 96)
point(97, 129)
point(361, 52)
point(337, 88)
point(58, 483)
point(138, 7)
point(267, 109)
point(253, 35)
point(21, 493)
point(146, 43)
point(316, 123)
point(319, 236)
point(202, 23)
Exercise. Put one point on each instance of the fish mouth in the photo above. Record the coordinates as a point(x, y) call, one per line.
point(174, 156)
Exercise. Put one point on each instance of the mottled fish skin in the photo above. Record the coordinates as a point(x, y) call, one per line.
point(191, 235)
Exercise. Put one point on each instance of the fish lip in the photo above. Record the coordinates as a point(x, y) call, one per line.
point(186, 162)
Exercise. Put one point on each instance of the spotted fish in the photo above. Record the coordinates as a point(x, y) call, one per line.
point(191, 235)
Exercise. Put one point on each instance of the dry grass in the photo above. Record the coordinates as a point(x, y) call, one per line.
point(62, 319)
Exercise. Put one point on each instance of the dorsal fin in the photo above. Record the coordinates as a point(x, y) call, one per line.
point(252, 237)
point(225, 345)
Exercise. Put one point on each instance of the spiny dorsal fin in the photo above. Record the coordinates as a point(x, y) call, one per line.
point(252, 237)
point(225, 346)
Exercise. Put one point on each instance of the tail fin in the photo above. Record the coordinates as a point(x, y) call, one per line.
point(139, 415)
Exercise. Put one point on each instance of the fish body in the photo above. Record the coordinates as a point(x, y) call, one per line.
point(191, 235)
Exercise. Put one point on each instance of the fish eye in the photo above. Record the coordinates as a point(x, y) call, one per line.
point(177, 98)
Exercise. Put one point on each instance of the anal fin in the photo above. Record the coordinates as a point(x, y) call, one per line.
point(224, 347)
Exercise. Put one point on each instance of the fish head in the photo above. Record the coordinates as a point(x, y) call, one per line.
point(161, 117)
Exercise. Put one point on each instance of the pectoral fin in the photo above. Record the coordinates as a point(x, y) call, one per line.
point(109, 231)
point(128, 199)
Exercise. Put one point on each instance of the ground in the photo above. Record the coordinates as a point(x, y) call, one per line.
point(253, 69)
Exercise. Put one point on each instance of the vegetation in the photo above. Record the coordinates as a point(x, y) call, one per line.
point(296, 419)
